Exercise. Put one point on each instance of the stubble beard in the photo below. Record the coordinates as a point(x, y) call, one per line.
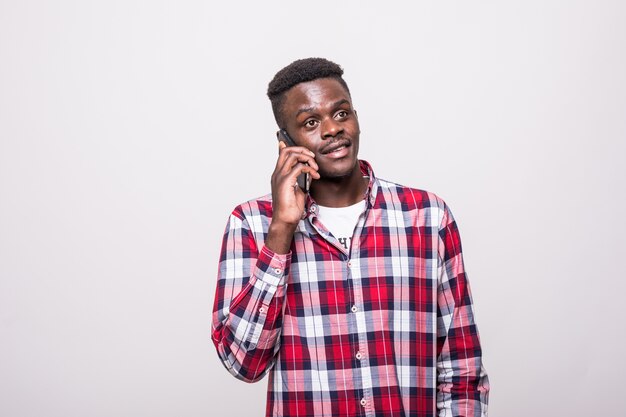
point(338, 176)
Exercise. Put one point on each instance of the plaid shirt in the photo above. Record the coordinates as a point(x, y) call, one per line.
point(383, 329)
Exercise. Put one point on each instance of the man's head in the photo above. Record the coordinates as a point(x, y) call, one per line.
point(297, 72)
point(312, 102)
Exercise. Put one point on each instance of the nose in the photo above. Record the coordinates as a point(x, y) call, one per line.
point(331, 128)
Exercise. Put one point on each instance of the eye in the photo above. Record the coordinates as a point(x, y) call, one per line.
point(310, 123)
point(342, 114)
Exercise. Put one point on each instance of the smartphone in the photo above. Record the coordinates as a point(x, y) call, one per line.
point(304, 180)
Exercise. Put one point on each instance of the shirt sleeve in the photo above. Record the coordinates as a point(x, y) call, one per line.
point(249, 298)
point(462, 382)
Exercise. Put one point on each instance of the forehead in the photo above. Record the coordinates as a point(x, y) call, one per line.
point(316, 94)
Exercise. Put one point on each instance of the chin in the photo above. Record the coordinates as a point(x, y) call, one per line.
point(339, 170)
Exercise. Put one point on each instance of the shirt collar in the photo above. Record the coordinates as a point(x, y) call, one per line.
point(372, 187)
point(370, 191)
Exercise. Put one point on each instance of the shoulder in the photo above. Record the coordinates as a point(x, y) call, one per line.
point(253, 215)
point(256, 207)
point(408, 198)
point(422, 206)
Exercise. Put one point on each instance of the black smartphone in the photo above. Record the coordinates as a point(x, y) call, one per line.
point(304, 180)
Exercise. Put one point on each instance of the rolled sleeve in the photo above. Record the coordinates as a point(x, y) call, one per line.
point(247, 313)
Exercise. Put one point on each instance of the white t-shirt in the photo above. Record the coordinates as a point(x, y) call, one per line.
point(341, 221)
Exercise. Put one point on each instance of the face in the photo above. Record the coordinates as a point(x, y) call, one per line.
point(319, 116)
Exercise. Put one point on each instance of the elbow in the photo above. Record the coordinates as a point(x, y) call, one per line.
point(249, 377)
point(247, 372)
point(247, 366)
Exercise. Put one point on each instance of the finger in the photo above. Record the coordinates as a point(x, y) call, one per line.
point(281, 154)
point(285, 151)
point(296, 149)
point(294, 158)
point(288, 160)
point(298, 169)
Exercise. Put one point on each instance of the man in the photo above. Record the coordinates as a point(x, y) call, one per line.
point(353, 297)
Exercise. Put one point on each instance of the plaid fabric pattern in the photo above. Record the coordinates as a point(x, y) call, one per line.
point(385, 328)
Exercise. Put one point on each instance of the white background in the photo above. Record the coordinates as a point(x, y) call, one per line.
point(129, 130)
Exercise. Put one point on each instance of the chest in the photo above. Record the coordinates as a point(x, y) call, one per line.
point(392, 258)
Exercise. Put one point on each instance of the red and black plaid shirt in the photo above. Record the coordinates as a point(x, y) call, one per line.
point(385, 328)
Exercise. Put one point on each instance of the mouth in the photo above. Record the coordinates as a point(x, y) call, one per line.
point(336, 147)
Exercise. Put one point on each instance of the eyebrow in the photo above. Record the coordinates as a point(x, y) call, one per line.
point(305, 110)
point(340, 102)
point(311, 109)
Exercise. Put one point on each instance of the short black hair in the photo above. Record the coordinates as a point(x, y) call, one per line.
point(300, 71)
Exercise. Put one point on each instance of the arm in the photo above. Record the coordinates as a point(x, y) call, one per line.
point(247, 312)
point(251, 282)
point(463, 385)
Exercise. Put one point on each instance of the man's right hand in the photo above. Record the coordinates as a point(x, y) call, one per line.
point(288, 199)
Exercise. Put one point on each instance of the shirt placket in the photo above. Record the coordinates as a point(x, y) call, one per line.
point(360, 324)
point(357, 316)
point(354, 273)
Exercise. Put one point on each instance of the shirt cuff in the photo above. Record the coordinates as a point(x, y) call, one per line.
point(273, 268)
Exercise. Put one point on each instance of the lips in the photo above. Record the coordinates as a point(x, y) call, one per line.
point(336, 146)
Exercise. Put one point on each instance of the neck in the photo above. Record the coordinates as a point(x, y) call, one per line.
point(341, 191)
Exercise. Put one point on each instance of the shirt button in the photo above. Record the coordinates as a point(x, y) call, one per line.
point(359, 355)
point(262, 310)
point(349, 264)
point(363, 402)
point(313, 208)
point(354, 309)
point(278, 271)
